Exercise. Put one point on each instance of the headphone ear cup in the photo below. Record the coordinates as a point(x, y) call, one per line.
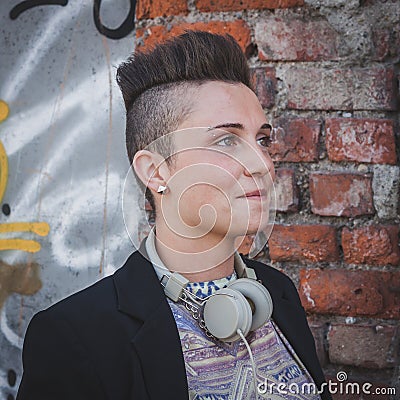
point(225, 313)
point(260, 298)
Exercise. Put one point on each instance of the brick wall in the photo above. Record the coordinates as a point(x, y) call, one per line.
point(326, 73)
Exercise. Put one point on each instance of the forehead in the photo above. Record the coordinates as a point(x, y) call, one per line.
point(217, 103)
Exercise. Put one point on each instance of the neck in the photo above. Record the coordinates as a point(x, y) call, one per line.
point(204, 258)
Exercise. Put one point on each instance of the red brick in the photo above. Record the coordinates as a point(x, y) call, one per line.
point(362, 140)
point(381, 43)
point(341, 194)
point(234, 5)
point(159, 33)
point(314, 243)
point(287, 198)
point(293, 39)
point(386, 43)
point(295, 140)
point(351, 293)
point(264, 81)
point(160, 8)
point(313, 88)
point(371, 346)
point(373, 245)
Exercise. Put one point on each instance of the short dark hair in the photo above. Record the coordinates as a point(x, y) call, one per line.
point(157, 84)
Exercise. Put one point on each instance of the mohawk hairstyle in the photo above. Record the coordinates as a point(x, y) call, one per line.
point(158, 85)
point(192, 56)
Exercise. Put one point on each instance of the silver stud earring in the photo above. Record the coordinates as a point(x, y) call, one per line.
point(161, 189)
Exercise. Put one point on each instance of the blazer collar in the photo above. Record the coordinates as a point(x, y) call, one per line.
point(133, 282)
point(156, 343)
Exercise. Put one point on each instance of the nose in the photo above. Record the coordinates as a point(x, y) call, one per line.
point(258, 162)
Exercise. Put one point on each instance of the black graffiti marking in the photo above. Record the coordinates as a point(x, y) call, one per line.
point(11, 377)
point(26, 5)
point(123, 30)
point(6, 209)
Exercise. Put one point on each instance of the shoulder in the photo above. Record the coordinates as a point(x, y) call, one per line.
point(82, 323)
point(98, 295)
point(61, 326)
point(96, 308)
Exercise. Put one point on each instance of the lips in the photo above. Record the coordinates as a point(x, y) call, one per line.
point(255, 194)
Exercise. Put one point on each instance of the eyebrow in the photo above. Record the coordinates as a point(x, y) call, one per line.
point(237, 125)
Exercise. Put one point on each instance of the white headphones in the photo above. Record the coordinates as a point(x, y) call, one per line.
point(245, 305)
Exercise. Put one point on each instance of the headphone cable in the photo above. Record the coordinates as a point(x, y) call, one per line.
point(253, 365)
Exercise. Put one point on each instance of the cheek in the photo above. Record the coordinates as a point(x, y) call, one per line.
point(205, 175)
point(205, 193)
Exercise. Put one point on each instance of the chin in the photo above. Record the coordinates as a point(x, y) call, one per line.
point(251, 229)
point(242, 225)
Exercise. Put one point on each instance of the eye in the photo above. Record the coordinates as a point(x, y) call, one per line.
point(264, 141)
point(227, 141)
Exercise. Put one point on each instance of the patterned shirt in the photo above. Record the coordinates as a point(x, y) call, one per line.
point(217, 370)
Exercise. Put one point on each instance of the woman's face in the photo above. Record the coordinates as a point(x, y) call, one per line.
point(221, 172)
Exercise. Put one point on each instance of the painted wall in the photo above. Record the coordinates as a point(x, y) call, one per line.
point(62, 158)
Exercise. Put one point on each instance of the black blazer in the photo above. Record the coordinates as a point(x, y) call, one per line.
point(117, 339)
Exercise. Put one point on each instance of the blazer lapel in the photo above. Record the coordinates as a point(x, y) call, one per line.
point(157, 342)
point(292, 321)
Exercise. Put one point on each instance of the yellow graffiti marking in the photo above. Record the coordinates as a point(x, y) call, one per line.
point(3, 171)
point(39, 228)
point(31, 246)
point(4, 110)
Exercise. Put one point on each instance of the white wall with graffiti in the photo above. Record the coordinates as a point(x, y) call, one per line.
point(62, 157)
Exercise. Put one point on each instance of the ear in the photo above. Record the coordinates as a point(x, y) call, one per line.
point(151, 168)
